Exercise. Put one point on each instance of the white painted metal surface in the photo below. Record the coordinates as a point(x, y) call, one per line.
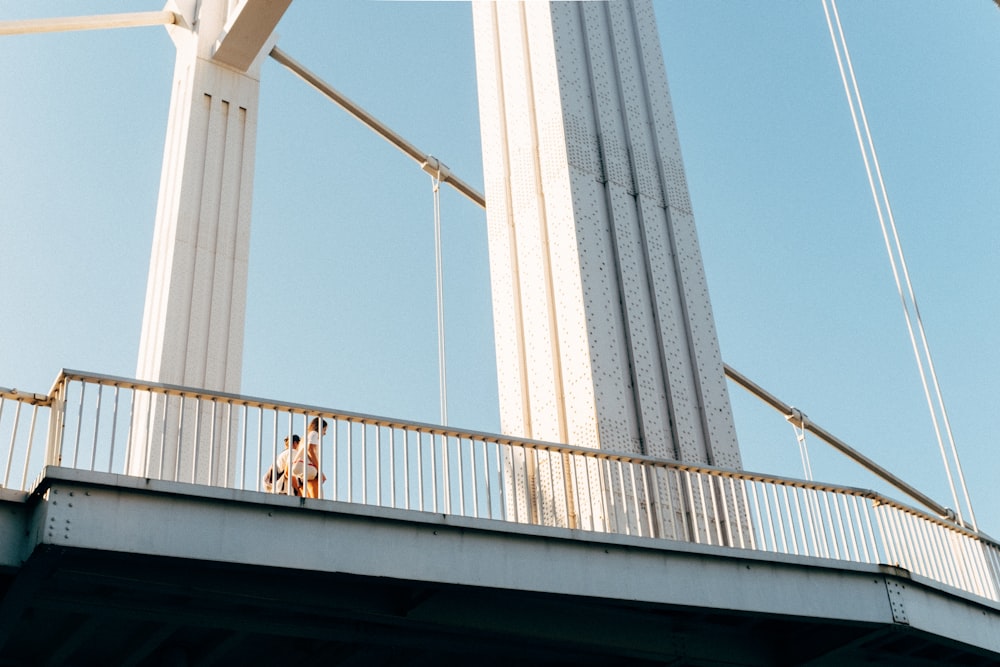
point(193, 321)
point(604, 331)
point(78, 510)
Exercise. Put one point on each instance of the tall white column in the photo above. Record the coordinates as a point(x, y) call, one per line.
point(604, 331)
point(192, 331)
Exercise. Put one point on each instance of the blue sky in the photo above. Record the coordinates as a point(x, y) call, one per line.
point(341, 308)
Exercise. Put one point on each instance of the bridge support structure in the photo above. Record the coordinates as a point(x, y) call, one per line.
point(605, 335)
point(604, 331)
point(193, 323)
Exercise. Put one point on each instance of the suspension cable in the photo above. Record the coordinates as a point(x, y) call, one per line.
point(895, 250)
point(798, 421)
point(439, 272)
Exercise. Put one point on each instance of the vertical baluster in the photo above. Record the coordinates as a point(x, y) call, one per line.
point(435, 471)
point(196, 438)
point(459, 470)
point(260, 442)
point(553, 485)
point(791, 519)
point(229, 444)
point(488, 485)
point(932, 535)
point(292, 455)
point(802, 521)
point(973, 548)
point(705, 514)
point(746, 503)
point(872, 554)
point(925, 532)
point(971, 582)
point(445, 474)
point(420, 469)
point(114, 424)
point(13, 441)
point(778, 516)
point(605, 492)
point(392, 466)
point(812, 521)
point(622, 505)
point(905, 549)
point(735, 515)
point(888, 547)
point(710, 481)
point(335, 460)
point(364, 462)
point(27, 453)
point(817, 527)
point(163, 428)
point(180, 440)
point(378, 464)
point(909, 528)
point(79, 423)
point(839, 515)
point(509, 458)
point(406, 469)
point(575, 494)
point(948, 557)
point(129, 449)
point(760, 489)
point(10, 449)
point(636, 506)
point(538, 454)
point(688, 517)
point(350, 466)
point(243, 450)
point(650, 501)
point(475, 491)
point(955, 546)
point(211, 445)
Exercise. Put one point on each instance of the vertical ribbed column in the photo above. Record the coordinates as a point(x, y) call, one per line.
point(194, 315)
point(604, 329)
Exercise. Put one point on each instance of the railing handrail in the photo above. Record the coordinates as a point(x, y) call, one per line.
point(482, 436)
point(227, 439)
point(25, 397)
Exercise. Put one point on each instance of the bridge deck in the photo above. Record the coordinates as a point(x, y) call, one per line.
point(109, 569)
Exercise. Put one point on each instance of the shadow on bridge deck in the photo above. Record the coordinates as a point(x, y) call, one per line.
point(99, 569)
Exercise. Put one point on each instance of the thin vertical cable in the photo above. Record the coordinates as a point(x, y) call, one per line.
point(894, 248)
point(439, 275)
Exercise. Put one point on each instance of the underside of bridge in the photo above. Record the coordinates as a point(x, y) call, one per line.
point(106, 570)
point(78, 607)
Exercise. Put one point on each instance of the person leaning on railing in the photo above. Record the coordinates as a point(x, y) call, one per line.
point(305, 466)
point(275, 479)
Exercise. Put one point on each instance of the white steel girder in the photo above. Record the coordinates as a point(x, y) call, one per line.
point(604, 329)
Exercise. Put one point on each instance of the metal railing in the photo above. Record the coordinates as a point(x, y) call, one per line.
point(124, 426)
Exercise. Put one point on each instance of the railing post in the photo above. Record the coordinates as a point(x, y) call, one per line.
point(57, 419)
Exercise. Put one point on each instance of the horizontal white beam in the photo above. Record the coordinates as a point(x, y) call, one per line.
point(247, 29)
point(100, 22)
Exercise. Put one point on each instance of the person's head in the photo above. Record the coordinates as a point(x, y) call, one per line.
point(314, 425)
point(295, 441)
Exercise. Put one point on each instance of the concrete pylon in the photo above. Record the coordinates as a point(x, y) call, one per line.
point(604, 331)
point(192, 331)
